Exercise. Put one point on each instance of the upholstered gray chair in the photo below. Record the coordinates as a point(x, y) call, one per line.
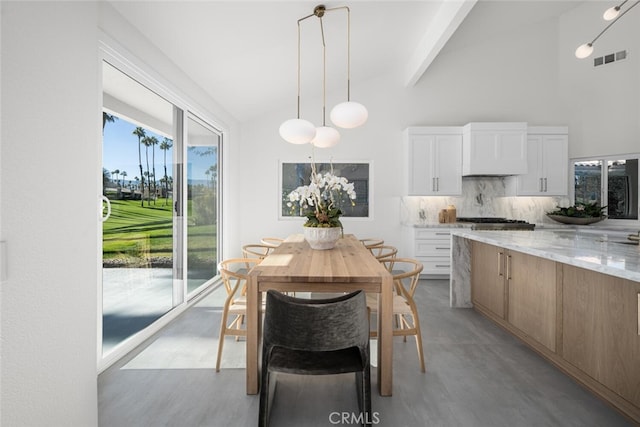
point(316, 337)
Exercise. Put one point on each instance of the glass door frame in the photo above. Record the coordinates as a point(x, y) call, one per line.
point(190, 115)
point(110, 52)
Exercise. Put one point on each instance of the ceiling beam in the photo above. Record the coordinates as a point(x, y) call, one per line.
point(445, 22)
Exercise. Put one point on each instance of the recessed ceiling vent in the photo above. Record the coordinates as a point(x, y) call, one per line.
point(610, 58)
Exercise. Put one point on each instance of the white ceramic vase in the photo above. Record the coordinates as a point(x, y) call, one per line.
point(322, 238)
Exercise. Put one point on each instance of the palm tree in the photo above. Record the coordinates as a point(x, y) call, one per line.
point(123, 174)
point(116, 173)
point(147, 143)
point(154, 142)
point(107, 118)
point(165, 146)
point(139, 132)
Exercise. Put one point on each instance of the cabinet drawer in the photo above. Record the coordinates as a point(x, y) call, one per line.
point(433, 248)
point(435, 265)
point(433, 234)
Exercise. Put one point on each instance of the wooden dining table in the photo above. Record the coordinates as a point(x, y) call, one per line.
point(294, 267)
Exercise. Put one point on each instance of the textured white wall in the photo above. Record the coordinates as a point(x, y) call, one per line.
point(50, 97)
point(603, 102)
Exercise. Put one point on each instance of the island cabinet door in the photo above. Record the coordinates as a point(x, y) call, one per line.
point(532, 296)
point(487, 278)
point(601, 329)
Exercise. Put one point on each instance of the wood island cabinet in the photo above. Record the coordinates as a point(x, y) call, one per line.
point(601, 329)
point(517, 288)
point(532, 289)
point(487, 278)
point(585, 322)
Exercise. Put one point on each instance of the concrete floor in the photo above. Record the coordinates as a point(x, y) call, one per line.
point(477, 375)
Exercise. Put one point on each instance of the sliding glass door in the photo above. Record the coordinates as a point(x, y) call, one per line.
point(202, 203)
point(156, 166)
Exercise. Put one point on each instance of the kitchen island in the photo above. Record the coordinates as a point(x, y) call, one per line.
point(572, 296)
point(603, 251)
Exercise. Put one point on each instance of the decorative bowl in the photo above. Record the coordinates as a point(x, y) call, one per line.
point(322, 238)
point(576, 220)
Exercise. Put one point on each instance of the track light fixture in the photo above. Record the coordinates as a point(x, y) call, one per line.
point(612, 14)
point(346, 115)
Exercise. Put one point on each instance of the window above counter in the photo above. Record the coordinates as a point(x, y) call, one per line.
point(610, 181)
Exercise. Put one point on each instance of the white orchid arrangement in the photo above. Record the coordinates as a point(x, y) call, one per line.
point(321, 198)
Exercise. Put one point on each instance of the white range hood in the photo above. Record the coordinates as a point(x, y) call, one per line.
point(494, 149)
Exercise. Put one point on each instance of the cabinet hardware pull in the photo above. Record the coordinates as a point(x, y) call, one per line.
point(437, 183)
point(443, 265)
point(437, 248)
point(541, 187)
point(545, 185)
point(508, 267)
point(433, 184)
point(442, 234)
point(500, 263)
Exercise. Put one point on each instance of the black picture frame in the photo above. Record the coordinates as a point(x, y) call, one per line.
point(293, 175)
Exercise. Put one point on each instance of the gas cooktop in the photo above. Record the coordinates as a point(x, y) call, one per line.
point(492, 223)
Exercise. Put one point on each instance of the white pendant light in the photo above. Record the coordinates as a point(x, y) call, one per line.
point(297, 131)
point(326, 137)
point(584, 50)
point(612, 14)
point(345, 115)
point(349, 115)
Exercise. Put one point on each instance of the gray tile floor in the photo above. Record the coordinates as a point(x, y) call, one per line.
point(477, 375)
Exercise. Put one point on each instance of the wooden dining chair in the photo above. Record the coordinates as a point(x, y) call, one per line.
point(371, 243)
point(406, 274)
point(257, 250)
point(384, 251)
point(271, 241)
point(316, 337)
point(235, 275)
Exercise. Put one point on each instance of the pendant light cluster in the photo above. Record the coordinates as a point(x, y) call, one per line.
point(345, 115)
point(612, 14)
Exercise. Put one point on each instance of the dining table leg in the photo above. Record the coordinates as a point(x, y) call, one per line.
point(385, 337)
point(253, 334)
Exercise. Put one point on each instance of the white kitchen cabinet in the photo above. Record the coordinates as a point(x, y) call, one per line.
point(494, 148)
point(434, 161)
point(548, 159)
point(430, 246)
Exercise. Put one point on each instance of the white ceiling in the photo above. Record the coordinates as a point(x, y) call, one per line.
point(244, 53)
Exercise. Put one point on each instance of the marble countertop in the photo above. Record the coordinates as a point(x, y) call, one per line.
point(601, 251)
point(439, 225)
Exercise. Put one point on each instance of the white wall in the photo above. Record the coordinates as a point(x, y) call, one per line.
point(603, 102)
point(50, 126)
point(50, 176)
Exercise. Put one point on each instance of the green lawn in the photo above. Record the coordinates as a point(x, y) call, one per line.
point(135, 235)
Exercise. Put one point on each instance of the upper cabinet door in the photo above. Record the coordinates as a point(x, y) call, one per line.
point(433, 158)
point(547, 158)
point(556, 164)
point(448, 165)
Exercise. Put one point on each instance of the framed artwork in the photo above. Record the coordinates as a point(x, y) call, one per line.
point(294, 175)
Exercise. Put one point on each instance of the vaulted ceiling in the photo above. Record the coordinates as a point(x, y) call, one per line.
point(244, 53)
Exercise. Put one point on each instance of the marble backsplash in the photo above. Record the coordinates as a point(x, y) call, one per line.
point(482, 196)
